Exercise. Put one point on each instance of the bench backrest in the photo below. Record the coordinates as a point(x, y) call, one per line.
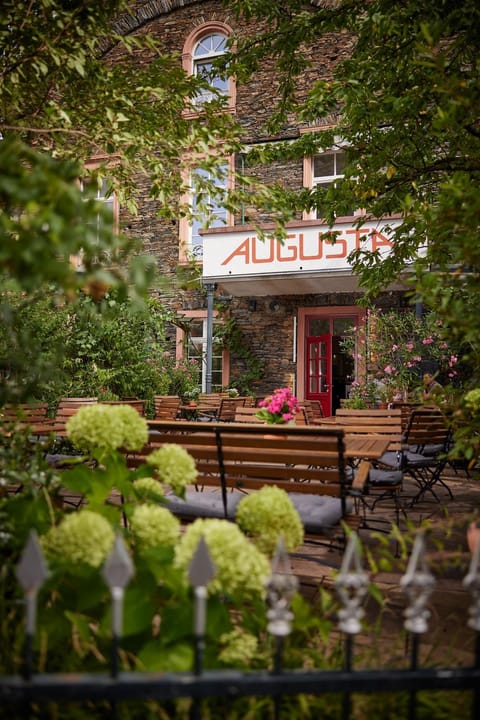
point(299, 459)
point(67, 407)
point(386, 422)
point(139, 405)
point(31, 414)
point(247, 415)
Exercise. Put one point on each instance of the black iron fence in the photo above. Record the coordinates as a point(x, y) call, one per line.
point(24, 694)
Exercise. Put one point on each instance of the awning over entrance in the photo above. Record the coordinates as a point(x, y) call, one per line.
point(291, 284)
point(311, 260)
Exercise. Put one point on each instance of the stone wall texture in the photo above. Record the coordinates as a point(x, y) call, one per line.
point(267, 324)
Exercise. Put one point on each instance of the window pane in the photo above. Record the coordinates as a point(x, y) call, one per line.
point(207, 206)
point(204, 54)
point(323, 165)
point(318, 326)
point(339, 163)
point(197, 350)
point(214, 44)
point(343, 326)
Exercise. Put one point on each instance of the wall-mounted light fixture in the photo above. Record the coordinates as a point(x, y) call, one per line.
point(252, 305)
point(274, 306)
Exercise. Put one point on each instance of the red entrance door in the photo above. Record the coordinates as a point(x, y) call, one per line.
point(319, 371)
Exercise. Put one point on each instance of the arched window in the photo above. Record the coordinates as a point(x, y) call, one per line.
point(205, 52)
point(201, 49)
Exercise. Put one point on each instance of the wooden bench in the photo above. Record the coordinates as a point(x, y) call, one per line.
point(233, 459)
point(33, 416)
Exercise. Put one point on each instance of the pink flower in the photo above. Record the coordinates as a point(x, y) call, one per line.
point(279, 407)
point(427, 341)
point(409, 346)
point(394, 347)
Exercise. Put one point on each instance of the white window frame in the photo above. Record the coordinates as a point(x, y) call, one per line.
point(326, 180)
point(184, 346)
point(218, 215)
point(209, 47)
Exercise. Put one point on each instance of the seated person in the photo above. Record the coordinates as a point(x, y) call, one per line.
point(431, 387)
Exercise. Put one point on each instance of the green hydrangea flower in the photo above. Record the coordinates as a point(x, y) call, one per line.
point(82, 537)
point(152, 526)
point(148, 488)
point(175, 467)
point(241, 569)
point(238, 648)
point(107, 427)
point(265, 515)
point(472, 399)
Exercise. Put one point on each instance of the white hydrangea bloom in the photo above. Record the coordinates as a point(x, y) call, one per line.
point(175, 467)
point(265, 515)
point(241, 569)
point(82, 537)
point(152, 526)
point(107, 427)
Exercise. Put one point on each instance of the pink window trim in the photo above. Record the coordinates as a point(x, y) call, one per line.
point(191, 41)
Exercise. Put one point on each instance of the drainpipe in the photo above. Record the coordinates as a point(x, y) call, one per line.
point(210, 287)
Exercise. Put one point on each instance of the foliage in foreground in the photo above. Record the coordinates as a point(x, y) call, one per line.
point(74, 616)
point(64, 101)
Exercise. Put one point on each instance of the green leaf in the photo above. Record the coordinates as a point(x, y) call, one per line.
point(156, 657)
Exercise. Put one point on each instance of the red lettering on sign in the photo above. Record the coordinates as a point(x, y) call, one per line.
point(255, 259)
point(243, 250)
point(358, 235)
point(318, 254)
point(292, 248)
point(379, 240)
point(343, 252)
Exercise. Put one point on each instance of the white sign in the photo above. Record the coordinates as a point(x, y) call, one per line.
point(312, 249)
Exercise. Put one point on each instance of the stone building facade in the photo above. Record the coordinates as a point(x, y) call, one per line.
point(289, 317)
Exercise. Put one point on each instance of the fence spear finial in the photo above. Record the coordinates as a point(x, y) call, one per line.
point(117, 572)
point(351, 585)
point(200, 571)
point(417, 583)
point(32, 571)
point(471, 582)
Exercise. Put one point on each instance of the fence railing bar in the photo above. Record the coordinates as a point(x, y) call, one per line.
point(229, 683)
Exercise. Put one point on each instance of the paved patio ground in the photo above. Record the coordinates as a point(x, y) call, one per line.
point(448, 559)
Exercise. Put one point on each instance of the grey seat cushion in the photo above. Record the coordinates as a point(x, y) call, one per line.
point(204, 504)
point(415, 459)
point(318, 512)
point(392, 459)
point(432, 450)
point(392, 478)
